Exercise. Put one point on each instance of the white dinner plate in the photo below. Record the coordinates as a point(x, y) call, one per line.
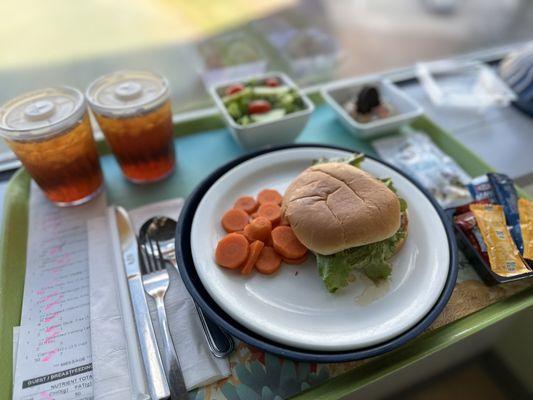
point(293, 306)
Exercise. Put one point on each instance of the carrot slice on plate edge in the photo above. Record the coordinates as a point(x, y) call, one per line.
point(232, 251)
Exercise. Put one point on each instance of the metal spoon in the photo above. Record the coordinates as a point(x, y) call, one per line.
point(163, 229)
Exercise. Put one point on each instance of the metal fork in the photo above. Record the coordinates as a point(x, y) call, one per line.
point(156, 281)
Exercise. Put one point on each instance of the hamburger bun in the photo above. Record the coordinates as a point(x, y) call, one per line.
point(335, 206)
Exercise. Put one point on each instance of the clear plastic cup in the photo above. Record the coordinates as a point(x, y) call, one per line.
point(134, 112)
point(50, 132)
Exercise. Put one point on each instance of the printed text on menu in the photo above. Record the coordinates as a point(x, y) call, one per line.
point(54, 352)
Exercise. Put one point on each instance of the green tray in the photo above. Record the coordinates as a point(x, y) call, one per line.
point(202, 145)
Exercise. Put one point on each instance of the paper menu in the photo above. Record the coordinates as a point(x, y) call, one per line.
point(54, 350)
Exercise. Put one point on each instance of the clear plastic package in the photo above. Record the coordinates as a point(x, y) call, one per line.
point(469, 85)
point(415, 153)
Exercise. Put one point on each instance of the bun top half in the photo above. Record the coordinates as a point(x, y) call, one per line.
point(335, 206)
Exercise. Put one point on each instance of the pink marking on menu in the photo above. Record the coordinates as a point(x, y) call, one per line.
point(49, 306)
point(63, 260)
point(51, 328)
point(51, 317)
point(49, 355)
point(54, 250)
point(40, 292)
point(45, 299)
point(51, 338)
point(45, 396)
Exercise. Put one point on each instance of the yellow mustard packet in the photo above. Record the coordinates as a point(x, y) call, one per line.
point(525, 211)
point(504, 257)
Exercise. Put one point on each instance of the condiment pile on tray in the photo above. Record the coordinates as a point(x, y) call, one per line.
point(497, 228)
point(494, 226)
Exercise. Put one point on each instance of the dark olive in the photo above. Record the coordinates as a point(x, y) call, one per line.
point(367, 99)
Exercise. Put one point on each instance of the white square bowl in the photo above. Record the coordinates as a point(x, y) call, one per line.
point(260, 134)
point(406, 109)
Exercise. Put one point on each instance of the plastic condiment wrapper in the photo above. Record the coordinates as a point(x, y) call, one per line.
point(505, 193)
point(504, 257)
point(481, 189)
point(525, 210)
point(466, 222)
point(416, 154)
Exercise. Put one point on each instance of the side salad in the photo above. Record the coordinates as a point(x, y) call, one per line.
point(260, 101)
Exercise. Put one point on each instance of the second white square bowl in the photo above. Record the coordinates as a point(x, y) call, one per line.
point(406, 109)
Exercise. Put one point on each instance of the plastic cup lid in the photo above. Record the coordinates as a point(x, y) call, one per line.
point(125, 93)
point(42, 112)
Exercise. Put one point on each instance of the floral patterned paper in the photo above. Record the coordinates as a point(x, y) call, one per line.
point(257, 375)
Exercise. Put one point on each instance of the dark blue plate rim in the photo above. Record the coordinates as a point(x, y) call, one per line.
point(216, 314)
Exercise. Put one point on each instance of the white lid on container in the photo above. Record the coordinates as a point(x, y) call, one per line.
point(41, 113)
point(125, 93)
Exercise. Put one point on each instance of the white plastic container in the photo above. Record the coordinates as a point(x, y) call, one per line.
point(405, 109)
point(259, 134)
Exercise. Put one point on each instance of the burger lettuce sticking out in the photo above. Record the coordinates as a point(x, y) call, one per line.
point(350, 219)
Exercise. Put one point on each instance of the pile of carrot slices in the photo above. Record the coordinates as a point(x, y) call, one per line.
point(257, 236)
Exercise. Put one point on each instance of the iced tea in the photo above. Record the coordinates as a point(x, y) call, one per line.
point(134, 112)
point(142, 144)
point(50, 133)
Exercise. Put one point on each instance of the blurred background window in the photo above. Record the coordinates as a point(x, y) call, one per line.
point(196, 43)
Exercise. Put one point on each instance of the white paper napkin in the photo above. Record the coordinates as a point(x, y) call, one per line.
point(117, 368)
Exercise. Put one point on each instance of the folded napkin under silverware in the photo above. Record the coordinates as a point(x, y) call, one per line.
point(117, 364)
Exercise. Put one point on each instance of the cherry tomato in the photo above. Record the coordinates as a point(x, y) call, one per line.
point(232, 89)
point(259, 107)
point(272, 82)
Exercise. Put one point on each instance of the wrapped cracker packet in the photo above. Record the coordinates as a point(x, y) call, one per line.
point(525, 210)
point(505, 259)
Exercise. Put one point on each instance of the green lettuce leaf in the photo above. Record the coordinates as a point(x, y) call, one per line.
point(372, 259)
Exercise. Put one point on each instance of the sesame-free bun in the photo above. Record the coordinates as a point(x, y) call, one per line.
point(335, 206)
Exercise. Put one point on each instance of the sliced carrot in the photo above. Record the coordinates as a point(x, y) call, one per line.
point(234, 220)
point(268, 262)
point(254, 215)
point(246, 203)
point(253, 254)
point(269, 196)
point(242, 233)
point(286, 243)
point(232, 251)
point(295, 261)
point(270, 211)
point(259, 229)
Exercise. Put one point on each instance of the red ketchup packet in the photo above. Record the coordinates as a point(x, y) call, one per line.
point(466, 222)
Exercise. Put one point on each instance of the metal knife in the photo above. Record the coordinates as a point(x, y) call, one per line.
point(157, 382)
